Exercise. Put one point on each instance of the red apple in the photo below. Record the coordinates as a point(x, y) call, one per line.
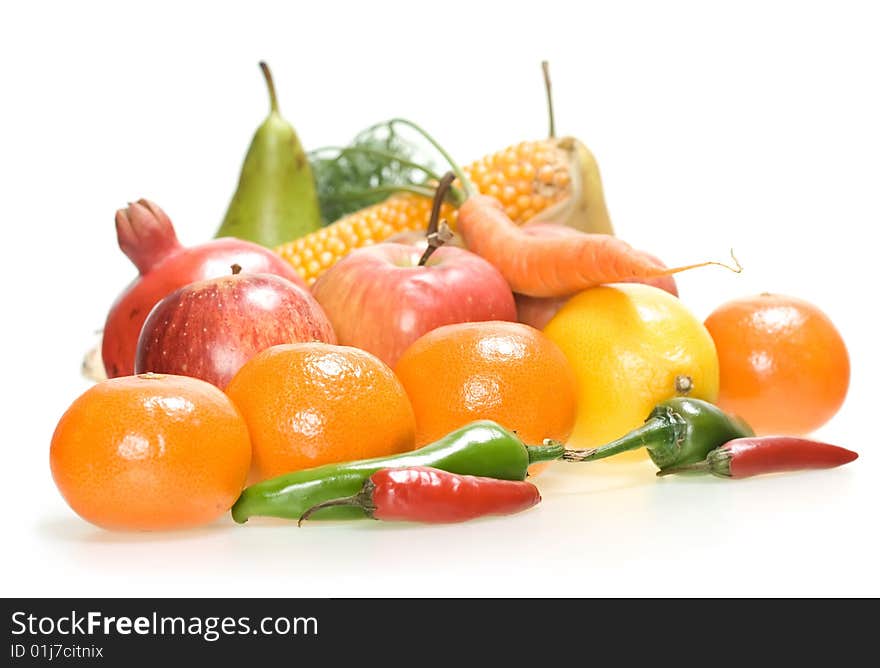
point(146, 235)
point(209, 329)
point(379, 299)
point(537, 311)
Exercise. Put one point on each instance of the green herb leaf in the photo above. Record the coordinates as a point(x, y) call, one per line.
point(379, 160)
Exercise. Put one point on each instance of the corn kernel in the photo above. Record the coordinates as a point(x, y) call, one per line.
point(546, 174)
point(527, 171)
point(561, 178)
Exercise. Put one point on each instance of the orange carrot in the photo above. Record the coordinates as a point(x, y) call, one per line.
point(542, 229)
point(538, 311)
point(552, 265)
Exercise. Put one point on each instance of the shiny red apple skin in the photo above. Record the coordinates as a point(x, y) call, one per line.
point(209, 329)
point(378, 299)
point(146, 235)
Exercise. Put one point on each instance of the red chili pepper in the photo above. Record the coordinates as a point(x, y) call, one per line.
point(744, 457)
point(424, 494)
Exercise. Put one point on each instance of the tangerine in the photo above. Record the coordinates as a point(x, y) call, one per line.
point(150, 452)
point(308, 404)
point(784, 366)
point(502, 371)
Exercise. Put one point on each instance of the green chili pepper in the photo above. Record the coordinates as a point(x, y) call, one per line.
point(482, 448)
point(678, 432)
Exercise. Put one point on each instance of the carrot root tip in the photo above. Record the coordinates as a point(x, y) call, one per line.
point(736, 268)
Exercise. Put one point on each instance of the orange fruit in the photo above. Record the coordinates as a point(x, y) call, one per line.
point(502, 371)
point(308, 404)
point(150, 452)
point(784, 366)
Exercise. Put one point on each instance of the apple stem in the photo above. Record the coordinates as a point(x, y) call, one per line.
point(443, 186)
point(236, 269)
point(437, 234)
point(435, 240)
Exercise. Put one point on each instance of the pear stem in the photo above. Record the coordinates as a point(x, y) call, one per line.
point(273, 99)
point(545, 67)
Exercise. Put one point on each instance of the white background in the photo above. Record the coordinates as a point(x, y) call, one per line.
point(752, 126)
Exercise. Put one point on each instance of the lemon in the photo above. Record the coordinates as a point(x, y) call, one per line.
point(629, 345)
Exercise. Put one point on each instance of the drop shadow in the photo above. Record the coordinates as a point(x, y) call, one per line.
point(588, 479)
point(365, 524)
point(841, 476)
point(362, 525)
point(75, 530)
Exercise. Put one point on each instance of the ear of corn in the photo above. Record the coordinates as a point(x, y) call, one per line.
point(529, 178)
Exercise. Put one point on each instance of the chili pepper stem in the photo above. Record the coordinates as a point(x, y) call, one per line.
point(362, 500)
point(347, 501)
point(550, 451)
point(638, 438)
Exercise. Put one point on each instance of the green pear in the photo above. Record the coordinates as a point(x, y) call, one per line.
point(276, 199)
